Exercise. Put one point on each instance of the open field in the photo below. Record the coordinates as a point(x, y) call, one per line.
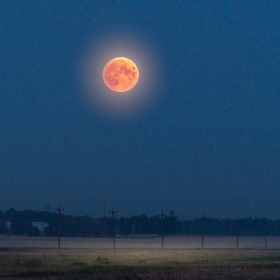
point(178, 242)
point(138, 262)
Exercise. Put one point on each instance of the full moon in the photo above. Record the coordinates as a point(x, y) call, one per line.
point(120, 74)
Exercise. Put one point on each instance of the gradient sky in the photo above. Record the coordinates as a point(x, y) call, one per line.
point(208, 143)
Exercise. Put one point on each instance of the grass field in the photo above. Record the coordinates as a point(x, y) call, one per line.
point(141, 263)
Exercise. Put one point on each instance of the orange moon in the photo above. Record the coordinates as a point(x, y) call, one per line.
point(120, 74)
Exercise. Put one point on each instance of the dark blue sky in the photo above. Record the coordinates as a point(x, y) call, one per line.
point(208, 144)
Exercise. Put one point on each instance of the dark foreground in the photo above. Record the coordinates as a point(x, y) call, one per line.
point(139, 264)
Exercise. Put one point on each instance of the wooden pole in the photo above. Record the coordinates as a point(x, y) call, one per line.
point(202, 234)
point(162, 229)
point(237, 233)
point(58, 229)
point(113, 228)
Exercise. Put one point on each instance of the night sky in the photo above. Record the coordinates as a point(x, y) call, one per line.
point(204, 140)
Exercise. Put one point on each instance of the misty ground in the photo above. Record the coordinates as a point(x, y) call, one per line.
point(143, 242)
point(23, 261)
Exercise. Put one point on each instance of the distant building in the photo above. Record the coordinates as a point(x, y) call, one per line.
point(3, 227)
point(9, 226)
point(41, 226)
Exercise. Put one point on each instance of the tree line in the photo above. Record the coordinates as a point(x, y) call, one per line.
point(14, 222)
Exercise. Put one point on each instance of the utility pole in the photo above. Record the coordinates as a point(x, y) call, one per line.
point(162, 227)
point(265, 244)
point(59, 210)
point(237, 232)
point(104, 218)
point(113, 227)
point(47, 207)
point(202, 233)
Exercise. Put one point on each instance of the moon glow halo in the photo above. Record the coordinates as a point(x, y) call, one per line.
point(120, 74)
